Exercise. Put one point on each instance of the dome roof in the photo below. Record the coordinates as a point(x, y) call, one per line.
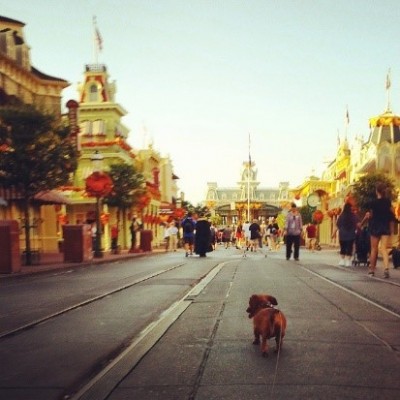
point(385, 128)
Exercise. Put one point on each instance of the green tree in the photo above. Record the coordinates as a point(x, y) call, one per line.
point(36, 155)
point(364, 189)
point(128, 187)
point(216, 220)
point(306, 214)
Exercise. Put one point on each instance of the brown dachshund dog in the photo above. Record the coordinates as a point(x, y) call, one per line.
point(268, 321)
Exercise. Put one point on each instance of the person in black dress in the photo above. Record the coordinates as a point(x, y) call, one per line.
point(202, 238)
point(380, 225)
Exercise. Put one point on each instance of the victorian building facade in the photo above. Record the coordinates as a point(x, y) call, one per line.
point(248, 200)
point(380, 152)
point(96, 123)
point(20, 80)
point(101, 131)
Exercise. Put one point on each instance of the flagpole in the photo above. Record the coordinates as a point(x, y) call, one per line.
point(248, 184)
point(347, 121)
point(388, 84)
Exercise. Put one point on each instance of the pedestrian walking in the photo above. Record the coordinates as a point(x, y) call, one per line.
point(239, 236)
point(213, 236)
point(380, 225)
point(172, 233)
point(246, 234)
point(202, 237)
point(188, 227)
point(311, 236)
point(271, 233)
point(292, 231)
point(166, 237)
point(346, 225)
point(255, 235)
point(227, 236)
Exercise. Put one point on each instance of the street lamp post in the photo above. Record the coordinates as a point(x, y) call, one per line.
point(98, 185)
point(97, 163)
point(97, 244)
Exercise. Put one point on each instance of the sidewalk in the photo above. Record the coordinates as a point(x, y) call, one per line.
point(55, 261)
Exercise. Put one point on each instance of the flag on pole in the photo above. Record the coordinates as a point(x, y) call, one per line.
point(388, 81)
point(97, 37)
point(347, 116)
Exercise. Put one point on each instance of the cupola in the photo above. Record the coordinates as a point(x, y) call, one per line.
point(385, 128)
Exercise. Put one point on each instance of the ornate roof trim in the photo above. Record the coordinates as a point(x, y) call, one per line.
point(11, 21)
point(46, 77)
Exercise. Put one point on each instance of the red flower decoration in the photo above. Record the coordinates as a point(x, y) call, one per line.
point(99, 184)
point(318, 216)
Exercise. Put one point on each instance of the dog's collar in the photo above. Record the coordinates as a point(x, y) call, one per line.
point(266, 305)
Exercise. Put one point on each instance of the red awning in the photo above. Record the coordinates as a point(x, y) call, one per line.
point(341, 175)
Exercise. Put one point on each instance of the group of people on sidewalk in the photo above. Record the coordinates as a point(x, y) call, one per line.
point(380, 219)
point(200, 236)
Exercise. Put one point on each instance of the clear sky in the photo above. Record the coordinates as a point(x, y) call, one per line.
point(201, 75)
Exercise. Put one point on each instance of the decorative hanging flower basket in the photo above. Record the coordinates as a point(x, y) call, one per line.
point(99, 184)
point(318, 216)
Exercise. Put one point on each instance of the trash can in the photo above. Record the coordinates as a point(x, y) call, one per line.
point(10, 261)
point(77, 243)
point(146, 237)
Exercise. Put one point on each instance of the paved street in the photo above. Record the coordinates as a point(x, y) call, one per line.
point(339, 345)
point(342, 339)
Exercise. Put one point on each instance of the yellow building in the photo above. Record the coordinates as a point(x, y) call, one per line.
point(101, 130)
point(379, 153)
point(21, 80)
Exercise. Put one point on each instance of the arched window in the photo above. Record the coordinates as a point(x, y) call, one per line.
point(93, 93)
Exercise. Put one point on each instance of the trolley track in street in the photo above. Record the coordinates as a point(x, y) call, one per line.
point(104, 381)
point(32, 324)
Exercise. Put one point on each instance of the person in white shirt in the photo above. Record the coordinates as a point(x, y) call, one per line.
point(172, 232)
point(246, 231)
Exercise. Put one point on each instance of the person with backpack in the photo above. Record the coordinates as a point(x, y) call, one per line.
point(188, 225)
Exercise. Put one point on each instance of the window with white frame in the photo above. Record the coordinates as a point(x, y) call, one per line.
point(85, 128)
point(98, 127)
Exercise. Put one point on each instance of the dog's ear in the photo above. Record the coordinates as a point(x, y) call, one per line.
point(272, 300)
point(253, 298)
